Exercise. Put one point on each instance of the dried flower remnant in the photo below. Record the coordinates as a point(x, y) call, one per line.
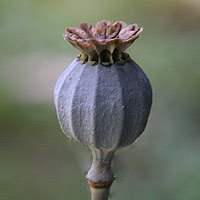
point(104, 43)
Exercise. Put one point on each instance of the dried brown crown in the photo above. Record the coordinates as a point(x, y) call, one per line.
point(104, 43)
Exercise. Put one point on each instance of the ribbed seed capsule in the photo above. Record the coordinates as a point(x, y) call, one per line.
point(103, 99)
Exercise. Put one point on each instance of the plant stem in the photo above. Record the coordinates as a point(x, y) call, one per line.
point(99, 193)
point(100, 175)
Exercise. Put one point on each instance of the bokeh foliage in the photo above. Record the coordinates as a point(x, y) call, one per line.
point(36, 159)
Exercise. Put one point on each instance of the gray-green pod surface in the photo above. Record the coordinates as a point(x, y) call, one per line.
point(103, 107)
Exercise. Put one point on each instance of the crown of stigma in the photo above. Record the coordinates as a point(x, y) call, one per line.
point(104, 43)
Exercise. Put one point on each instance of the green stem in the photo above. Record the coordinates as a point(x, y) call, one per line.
point(99, 193)
point(100, 176)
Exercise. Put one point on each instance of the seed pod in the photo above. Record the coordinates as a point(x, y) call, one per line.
point(103, 99)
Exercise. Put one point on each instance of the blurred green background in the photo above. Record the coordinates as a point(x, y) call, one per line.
point(37, 161)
